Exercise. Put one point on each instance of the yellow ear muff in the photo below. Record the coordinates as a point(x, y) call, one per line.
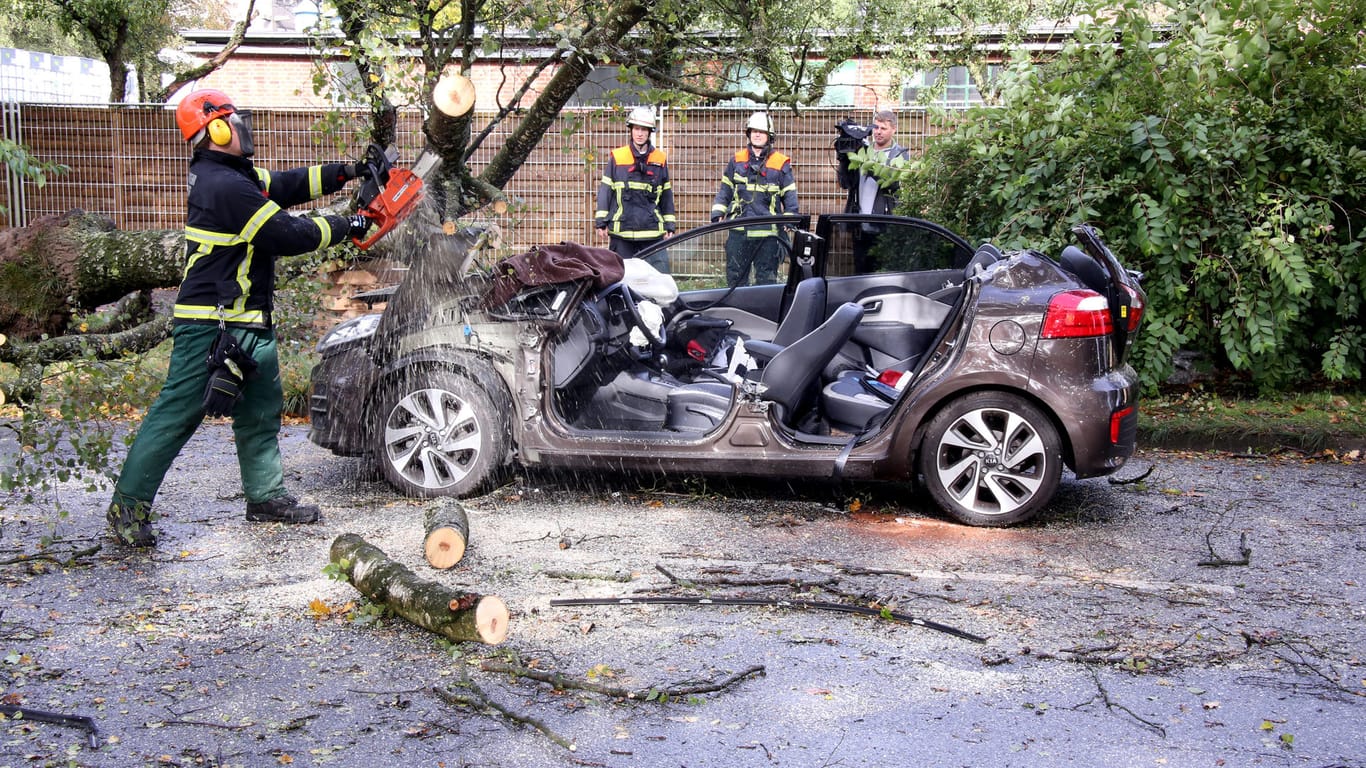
point(219, 132)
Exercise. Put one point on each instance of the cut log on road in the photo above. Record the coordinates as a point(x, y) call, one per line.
point(448, 533)
point(459, 616)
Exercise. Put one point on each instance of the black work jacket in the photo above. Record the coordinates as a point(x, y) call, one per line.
point(236, 228)
point(635, 196)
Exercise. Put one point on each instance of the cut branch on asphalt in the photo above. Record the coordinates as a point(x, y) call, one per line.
point(660, 692)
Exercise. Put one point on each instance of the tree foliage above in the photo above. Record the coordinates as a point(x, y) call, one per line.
point(775, 53)
point(1221, 147)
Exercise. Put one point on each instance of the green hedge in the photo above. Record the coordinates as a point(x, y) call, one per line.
point(1221, 148)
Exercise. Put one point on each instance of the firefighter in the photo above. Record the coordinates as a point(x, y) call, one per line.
point(235, 230)
point(757, 181)
point(635, 198)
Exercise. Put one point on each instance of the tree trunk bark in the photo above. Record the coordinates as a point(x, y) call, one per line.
point(448, 533)
point(516, 148)
point(459, 616)
point(77, 261)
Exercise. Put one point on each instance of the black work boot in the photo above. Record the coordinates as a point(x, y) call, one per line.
point(131, 525)
point(282, 509)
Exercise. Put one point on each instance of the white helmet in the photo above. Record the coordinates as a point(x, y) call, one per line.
point(759, 121)
point(641, 116)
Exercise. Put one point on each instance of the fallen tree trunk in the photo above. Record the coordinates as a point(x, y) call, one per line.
point(448, 533)
point(458, 616)
point(61, 264)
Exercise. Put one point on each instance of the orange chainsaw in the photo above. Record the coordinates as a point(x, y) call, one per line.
point(390, 195)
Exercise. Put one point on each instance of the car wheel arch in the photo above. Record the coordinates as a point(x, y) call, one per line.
point(973, 487)
point(917, 437)
point(480, 369)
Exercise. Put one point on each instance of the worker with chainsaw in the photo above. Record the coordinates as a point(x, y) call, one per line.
point(635, 198)
point(758, 181)
point(223, 357)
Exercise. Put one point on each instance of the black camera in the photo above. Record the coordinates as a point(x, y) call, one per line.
point(849, 138)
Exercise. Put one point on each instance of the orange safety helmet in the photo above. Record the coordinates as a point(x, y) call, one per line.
point(195, 112)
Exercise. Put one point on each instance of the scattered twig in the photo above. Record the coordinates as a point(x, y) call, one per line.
point(855, 570)
point(575, 575)
point(1113, 705)
point(1215, 561)
point(1301, 661)
point(207, 724)
point(83, 722)
point(815, 605)
point(773, 581)
point(652, 693)
point(72, 557)
point(1089, 650)
point(1132, 480)
point(481, 700)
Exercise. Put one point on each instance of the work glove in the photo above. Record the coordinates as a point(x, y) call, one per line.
point(357, 226)
point(350, 171)
point(715, 217)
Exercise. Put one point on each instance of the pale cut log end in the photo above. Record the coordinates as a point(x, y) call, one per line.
point(491, 619)
point(453, 95)
point(444, 547)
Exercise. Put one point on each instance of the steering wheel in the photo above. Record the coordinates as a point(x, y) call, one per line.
point(656, 342)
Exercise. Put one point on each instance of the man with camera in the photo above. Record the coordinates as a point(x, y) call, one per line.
point(869, 192)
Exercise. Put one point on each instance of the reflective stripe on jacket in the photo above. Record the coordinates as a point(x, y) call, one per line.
point(756, 186)
point(635, 197)
point(235, 229)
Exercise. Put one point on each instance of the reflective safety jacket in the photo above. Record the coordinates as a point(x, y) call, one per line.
point(236, 228)
point(635, 198)
point(756, 185)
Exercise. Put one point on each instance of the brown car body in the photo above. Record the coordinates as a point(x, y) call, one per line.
point(975, 374)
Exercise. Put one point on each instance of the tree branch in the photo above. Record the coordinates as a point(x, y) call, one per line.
point(181, 77)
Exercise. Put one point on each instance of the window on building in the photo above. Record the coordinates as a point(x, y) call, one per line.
point(953, 87)
point(841, 87)
point(603, 87)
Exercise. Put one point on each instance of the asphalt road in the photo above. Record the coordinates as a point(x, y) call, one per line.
point(1122, 629)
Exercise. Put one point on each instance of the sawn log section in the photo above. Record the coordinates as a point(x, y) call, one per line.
point(458, 616)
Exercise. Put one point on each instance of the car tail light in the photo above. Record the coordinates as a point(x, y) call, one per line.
point(1117, 422)
point(1076, 314)
point(1135, 308)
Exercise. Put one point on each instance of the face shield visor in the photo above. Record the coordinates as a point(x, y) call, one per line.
point(240, 120)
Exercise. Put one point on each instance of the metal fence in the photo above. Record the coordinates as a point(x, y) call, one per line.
point(128, 162)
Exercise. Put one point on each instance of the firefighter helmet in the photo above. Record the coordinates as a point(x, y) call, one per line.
point(195, 112)
point(641, 116)
point(759, 121)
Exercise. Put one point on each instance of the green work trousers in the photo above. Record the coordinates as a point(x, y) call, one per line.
point(179, 409)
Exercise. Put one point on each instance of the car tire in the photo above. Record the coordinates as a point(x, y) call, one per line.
point(441, 434)
point(991, 459)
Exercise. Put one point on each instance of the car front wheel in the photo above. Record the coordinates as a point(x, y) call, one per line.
point(991, 459)
point(441, 434)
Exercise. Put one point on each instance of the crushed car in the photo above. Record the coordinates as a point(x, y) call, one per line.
point(974, 374)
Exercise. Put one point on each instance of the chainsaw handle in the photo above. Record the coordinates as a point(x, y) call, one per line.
point(378, 162)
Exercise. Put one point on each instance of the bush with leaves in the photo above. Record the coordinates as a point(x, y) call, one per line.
point(1221, 147)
